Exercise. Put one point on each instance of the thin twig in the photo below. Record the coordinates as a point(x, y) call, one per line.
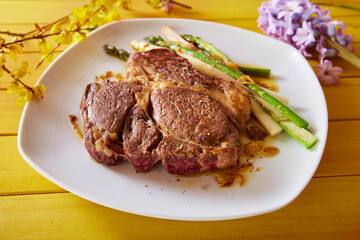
point(45, 28)
point(29, 38)
point(181, 5)
point(42, 36)
point(16, 79)
point(48, 26)
point(12, 33)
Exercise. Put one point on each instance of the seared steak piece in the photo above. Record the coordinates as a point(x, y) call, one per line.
point(197, 133)
point(166, 111)
point(141, 137)
point(104, 108)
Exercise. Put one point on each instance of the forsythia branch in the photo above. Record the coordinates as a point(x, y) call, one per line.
point(81, 21)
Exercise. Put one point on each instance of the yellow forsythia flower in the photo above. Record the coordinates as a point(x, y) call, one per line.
point(64, 37)
point(38, 90)
point(56, 28)
point(13, 87)
point(45, 48)
point(14, 49)
point(113, 15)
point(21, 71)
point(20, 93)
point(28, 96)
point(79, 37)
point(81, 14)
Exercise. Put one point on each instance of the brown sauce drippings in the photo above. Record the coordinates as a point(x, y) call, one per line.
point(75, 127)
point(255, 145)
point(109, 76)
point(236, 175)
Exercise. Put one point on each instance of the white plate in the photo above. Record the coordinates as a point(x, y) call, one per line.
point(50, 146)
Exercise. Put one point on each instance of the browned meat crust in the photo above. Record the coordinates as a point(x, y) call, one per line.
point(166, 111)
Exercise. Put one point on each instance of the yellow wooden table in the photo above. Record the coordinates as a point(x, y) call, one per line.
point(31, 207)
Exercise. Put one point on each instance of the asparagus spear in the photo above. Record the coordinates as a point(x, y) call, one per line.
point(119, 53)
point(213, 51)
point(208, 47)
point(289, 113)
point(299, 134)
point(156, 40)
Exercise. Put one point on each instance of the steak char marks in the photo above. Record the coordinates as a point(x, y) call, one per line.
point(166, 111)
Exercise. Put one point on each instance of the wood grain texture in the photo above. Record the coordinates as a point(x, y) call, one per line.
point(42, 11)
point(340, 155)
point(16, 176)
point(329, 208)
point(10, 114)
point(343, 101)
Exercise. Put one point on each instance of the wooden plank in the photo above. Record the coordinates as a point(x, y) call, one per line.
point(10, 114)
point(41, 11)
point(45, 11)
point(341, 156)
point(328, 209)
point(343, 100)
point(16, 176)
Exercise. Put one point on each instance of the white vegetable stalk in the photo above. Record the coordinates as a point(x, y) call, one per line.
point(265, 119)
point(174, 37)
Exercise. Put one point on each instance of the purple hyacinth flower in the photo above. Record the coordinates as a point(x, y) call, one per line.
point(305, 26)
point(289, 8)
point(304, 37)
point(167, 5)
point(328, 74)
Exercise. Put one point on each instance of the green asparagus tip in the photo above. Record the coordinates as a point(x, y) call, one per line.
point(188, 37)
point(156, 40)
point(118, 53)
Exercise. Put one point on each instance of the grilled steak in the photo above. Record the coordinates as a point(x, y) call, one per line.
point(166, 111)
